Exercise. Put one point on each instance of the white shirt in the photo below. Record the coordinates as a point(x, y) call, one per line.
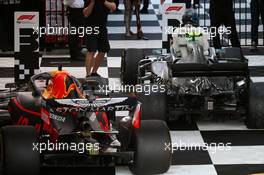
point(74, 3)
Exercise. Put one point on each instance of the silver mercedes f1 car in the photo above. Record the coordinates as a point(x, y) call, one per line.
point(197, 83)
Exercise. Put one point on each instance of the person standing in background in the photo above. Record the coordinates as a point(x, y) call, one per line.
point(7, 9)
point(95, 13)
point(144, 10)
point(129, 4)
point(76, 19)
point(117, 9)
point(196, 4)
point(187, 2)
point(221, 13)
point(257, 9)
point(160, 7)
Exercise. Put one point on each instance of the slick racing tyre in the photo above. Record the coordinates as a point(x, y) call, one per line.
point(152, 155)
point(17, 154)
point(154, 104)
point(129, 65)
point(255, 117)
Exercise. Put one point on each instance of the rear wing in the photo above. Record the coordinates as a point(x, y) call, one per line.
point(219, 69)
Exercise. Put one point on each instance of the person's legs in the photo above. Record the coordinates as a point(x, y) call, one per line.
point(261, 5)
point(76, 20)
point(229, 21)
point(144, 10)
point(137, 7)
point(117, 3)
point(117, 9)
point(91, 45)
point(215, 24)
point(89, 62)
point(98, 60)
point(255, 21)
point(140, 34)
point(146, 4)
point(196, 3)
point(103, 47)
point(128, 16)
point(160, 6)
point(187, 2)
point(2, 24)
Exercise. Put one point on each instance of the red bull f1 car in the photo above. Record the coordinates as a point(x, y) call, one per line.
point(54, 122)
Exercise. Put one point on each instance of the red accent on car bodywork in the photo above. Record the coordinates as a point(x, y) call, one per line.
point(136, 118)
point(24, 109)
point(9, 109)
point(23, 121)
point(105, 126)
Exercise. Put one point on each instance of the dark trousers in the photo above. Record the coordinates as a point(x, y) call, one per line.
point(220, 17)
point(76, 19)
point(187, 2)
point(196, 1)
point(117, 3)
point(145, 4)
point(257, 9)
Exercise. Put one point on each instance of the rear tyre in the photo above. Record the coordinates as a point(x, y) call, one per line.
point(129, 65)
point(17, 154)
point(151, 154)
point(255, 117)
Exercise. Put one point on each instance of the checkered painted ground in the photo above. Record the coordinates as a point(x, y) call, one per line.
point(246, 154)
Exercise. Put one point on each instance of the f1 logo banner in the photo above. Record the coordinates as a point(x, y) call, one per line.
point(26, 45)
point(171, 17)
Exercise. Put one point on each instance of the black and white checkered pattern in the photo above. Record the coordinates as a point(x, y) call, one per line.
point(247, 146)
